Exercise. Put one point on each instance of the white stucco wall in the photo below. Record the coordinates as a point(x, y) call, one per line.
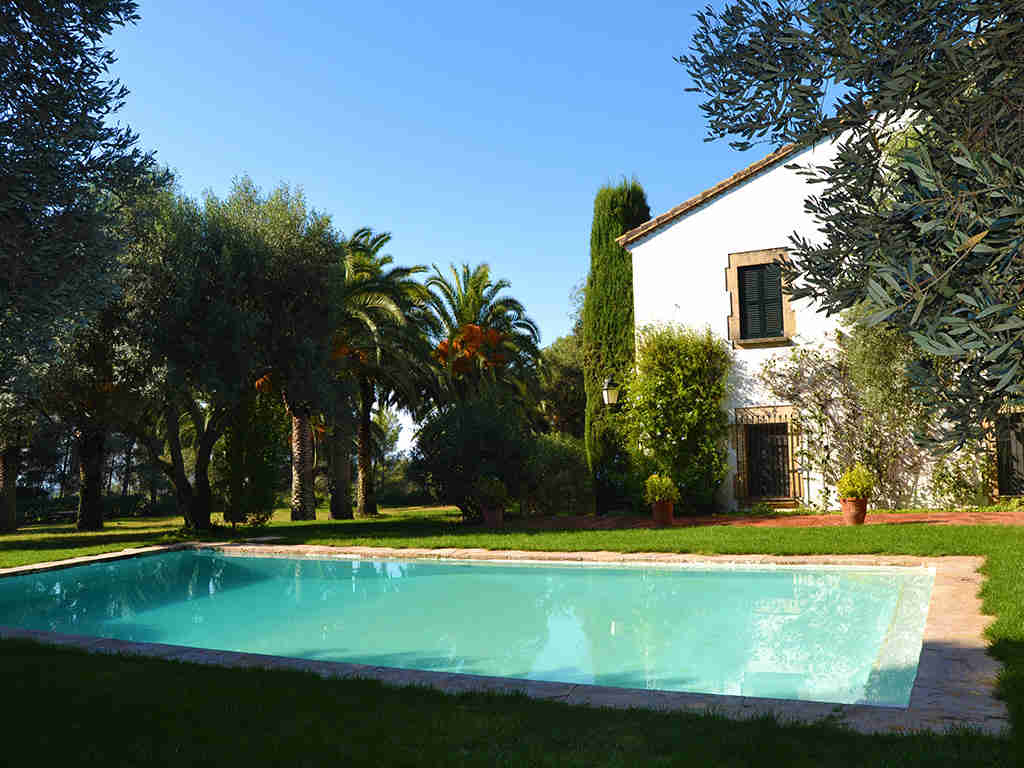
point(679, 271)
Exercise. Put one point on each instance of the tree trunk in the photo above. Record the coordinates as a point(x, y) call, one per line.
point(74, 469)
point(109, 482)
point(366, 499)
point(10, 457)
point(340, 465)
point(65, 466)
point(90, 499)
point(303, 504)
point(234, 513)
point(182, 487)
point(202, 497)
point(126, 479)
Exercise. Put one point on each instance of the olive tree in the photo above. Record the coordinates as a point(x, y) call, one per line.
point(64, 168)
point(927, 233)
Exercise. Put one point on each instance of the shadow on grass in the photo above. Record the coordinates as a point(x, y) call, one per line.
point(387, 726)
point(70, 541)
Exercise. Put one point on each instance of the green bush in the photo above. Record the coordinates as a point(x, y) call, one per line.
point(675, 408)
point(396, 487)
point(33, 505)
point(464, 441)
point(165, 506)
point(660, 488)
point(243, 476)
point(557, 477)
point(964, 477)
point(121, 506)
point(856, 483)
point(490, 493)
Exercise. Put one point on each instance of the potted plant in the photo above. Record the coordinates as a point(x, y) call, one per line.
point(661, 493)
point(491, 496)
point(854, 488)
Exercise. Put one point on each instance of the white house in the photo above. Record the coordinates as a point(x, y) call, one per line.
point(711, 261)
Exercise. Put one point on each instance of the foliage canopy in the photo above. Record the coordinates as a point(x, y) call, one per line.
point(926, 230)
point(64, 172)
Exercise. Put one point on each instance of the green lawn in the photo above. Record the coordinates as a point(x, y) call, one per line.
point(209, 715)
point(69, 708)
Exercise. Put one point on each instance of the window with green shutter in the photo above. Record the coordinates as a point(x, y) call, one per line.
point(760, 301)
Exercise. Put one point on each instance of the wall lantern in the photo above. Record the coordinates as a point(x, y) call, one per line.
point(610, 392)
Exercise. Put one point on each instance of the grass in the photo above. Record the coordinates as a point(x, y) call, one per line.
point(294, 718)
point(77, 709)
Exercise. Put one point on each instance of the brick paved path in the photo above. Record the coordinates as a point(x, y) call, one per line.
point(938, 517)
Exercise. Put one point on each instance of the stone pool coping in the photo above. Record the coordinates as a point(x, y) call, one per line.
point(955, 683)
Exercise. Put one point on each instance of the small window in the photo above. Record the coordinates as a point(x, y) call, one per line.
point(760, 301)
point(760, 313)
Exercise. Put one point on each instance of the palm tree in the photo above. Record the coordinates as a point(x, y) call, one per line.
point(474, 319)
point(360, 303)
point(388, 358)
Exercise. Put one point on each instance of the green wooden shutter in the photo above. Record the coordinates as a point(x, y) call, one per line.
point(751, 306)
point(760, 301)
point(772, 300)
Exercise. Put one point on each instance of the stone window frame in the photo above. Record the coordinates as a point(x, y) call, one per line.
point(732, 286)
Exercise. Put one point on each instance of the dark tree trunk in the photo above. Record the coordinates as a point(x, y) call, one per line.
point(202, 496)
point(340, 464)
point(182, 487)
point(234, 513)
point(366, 499)
point(91, 442)
point(194, 499)
point(303, 503)
point(10, 458)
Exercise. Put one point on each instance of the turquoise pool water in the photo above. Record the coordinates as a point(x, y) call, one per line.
point(834, 634)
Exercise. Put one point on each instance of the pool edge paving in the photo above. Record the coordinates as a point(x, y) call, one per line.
point(955, 683)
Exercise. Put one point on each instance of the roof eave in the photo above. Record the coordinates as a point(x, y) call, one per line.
point(751, 171)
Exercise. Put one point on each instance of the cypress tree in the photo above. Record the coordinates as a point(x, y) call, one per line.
point(608, 343)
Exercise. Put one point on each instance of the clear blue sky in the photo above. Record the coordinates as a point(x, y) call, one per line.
point(471, 132)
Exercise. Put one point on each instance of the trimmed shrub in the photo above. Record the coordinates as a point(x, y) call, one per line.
point(856, 483)
point(660, 488)
point(557, 478)
point(165, 506)
point(675, 410)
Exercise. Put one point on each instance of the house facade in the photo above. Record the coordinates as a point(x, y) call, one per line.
point(712, 261)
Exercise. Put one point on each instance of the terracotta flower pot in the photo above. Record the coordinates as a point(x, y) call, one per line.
point(494, 517)
point(854, 510)
point(662, 511)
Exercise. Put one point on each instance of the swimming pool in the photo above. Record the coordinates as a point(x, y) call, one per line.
point(814, 633)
